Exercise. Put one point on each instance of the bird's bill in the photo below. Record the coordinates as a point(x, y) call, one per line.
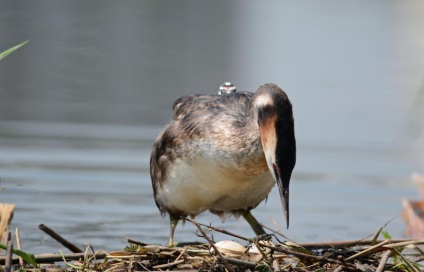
point(284, 195)
point(269, 145)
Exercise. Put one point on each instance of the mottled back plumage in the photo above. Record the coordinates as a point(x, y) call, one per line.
point(238, 101)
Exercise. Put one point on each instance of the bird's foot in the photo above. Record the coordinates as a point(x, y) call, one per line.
point(171, 243)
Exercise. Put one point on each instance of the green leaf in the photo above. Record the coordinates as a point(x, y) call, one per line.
point(10, 50)
point(28, 257)
point(386, 235)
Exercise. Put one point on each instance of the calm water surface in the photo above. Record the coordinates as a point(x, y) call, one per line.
point(82, 102)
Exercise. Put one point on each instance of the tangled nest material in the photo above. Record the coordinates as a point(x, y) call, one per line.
point(261, 254)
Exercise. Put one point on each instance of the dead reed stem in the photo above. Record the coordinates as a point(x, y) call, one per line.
point(51, 257)
point(19, 245)
point(383, 261)
point(6, 215)
point(8, 265)
point(60, 239)
point(368, 250)
point(347, 243)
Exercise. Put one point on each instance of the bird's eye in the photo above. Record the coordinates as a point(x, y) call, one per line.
point(274, 166)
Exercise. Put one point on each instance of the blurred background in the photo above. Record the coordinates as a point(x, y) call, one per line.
point(82, 103)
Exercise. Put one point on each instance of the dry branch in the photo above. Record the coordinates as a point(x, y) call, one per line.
point(161, 266)
point(406, 243)
point(212, 245)
point(383, 261)
point(347, 243)
point(338, 269)
point(368, 250)
point(51, 258)
point(60, 239)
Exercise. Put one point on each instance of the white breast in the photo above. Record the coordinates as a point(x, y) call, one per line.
point(202, 185)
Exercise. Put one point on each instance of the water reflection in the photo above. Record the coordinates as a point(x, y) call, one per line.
point(81, 104)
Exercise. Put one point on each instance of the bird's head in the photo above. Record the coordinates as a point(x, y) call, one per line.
point(276, 125)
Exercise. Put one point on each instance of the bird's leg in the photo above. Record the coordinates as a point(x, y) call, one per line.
point(174, 222)
point(256, 226)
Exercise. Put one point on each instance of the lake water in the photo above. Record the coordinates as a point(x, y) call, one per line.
point(82, 103)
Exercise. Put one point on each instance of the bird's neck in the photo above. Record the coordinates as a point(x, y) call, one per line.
point(250, 149)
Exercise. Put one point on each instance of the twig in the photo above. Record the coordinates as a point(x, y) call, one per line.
point(131, 241)
point(142, 266)
point(338, 269)
point(160, 266)
point(278, 231)
point(227, 265)
point(275, 265)
point(367, 250)
point(308, 256)
point(18, 243)
point(238, 262)
point(60, 239)
point(264, 255)
point(383, 261)
point(402, 244)
point(347, 243)
point(221, 230)
point(51, 258)
point(7, 267)
point(181, 254)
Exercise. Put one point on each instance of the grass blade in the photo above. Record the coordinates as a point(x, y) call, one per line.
point(10, 50)
point(28, 257)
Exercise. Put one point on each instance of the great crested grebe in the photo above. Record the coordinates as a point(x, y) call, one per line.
point(226, 88)
point(224, 153)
